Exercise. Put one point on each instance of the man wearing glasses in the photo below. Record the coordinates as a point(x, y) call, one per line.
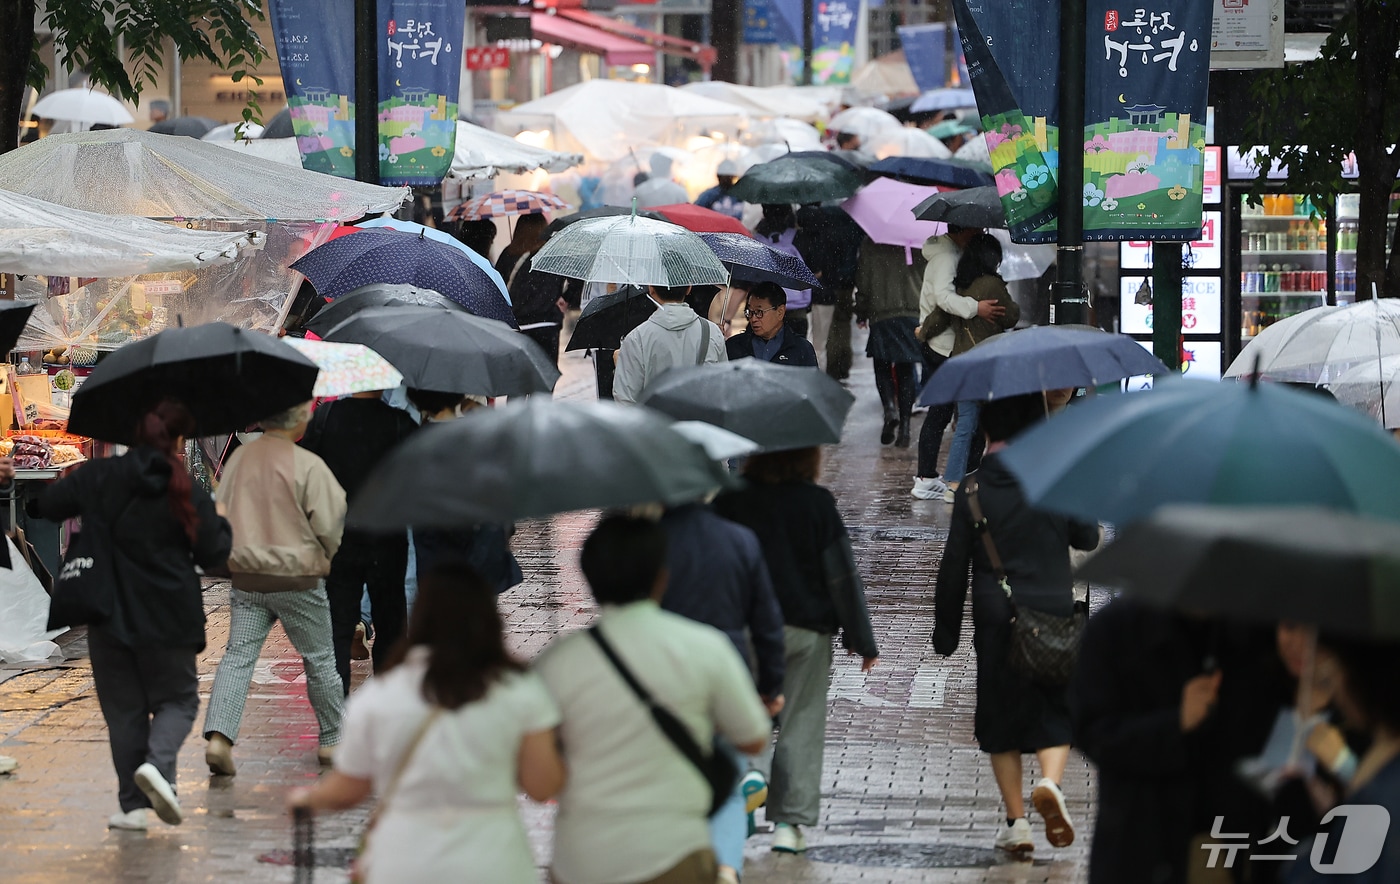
point(766, 337)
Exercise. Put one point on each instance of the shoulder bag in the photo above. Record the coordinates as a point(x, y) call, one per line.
point(357, 875)
point(717, 767)
point(704, 342)
point(85, 591)
point(1043, 647)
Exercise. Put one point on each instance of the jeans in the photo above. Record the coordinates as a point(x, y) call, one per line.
point(729, 827)
point(962, 441)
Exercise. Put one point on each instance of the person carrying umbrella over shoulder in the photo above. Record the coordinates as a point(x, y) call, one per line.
point(767, 338)
point(673, 335)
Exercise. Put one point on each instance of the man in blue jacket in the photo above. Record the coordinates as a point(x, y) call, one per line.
point(766, 337)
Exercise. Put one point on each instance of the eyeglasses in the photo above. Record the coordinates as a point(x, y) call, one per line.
point(760, 312)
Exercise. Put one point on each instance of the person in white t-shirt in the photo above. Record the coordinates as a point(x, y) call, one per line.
point(634, 810)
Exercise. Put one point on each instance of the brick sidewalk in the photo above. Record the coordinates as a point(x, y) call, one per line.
point(908, 796)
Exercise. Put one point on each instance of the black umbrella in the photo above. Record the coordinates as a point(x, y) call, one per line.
point(1337, 571)
point(607, 318)
point(974, 207)
point(14, 315)
point(777, 406)
point(194, 127)
point(280, 126)
point(451, 351)
point(533, 459)
point(228, 377)
point(927, 170)
point(807, 176)
point(559, 224)
point(379, 294)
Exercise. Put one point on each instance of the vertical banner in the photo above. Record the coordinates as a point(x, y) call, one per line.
point(924, 50)
point(316, 50)
point(760, 28)
point(420, 68)
point(833, 38)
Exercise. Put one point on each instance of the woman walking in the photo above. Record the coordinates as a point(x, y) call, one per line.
point(888, 279)
point(536, 298)
point(447, 736)
point(143, 659)
point(1015, 714)
point(819, 591)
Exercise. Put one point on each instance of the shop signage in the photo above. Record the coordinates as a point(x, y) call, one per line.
point(1246, 34)
point(487, 58)
point(1200, 305)
point(1203, 253)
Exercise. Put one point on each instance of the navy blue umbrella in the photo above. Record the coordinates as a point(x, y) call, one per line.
point(752, 260)
point(1047, 357)
point(386, 255)
point(926, 170)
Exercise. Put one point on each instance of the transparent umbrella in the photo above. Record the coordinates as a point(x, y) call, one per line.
point(629, 250)
point(1323, 343)
point(1371, 388)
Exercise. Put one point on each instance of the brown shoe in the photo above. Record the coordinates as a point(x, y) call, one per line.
point(358, 649)
point(1049, 802)
point(218, 754)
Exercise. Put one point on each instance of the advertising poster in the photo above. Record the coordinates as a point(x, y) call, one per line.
point(833, 38)
point(420, 68)
point(316, 49)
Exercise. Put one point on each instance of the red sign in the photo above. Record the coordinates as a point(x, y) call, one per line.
point(1110, 20)
point(485, 58)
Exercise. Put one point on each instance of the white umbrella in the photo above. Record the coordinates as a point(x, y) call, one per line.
point(1322, 344)
point(629, 250)
point(719, 443)
point(229, 132)
point(1020, 261)
point(1370, 387)
point(796, 134)
point(867, 122)
point(906, 142)
point(82, 106)
point(974, 151)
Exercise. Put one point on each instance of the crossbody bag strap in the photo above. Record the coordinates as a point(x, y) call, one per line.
point(674, 729)
point(979, 524)
point(704, 342)
point(392, 786)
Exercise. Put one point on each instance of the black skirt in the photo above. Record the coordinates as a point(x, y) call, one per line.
point(1014, 714)
point(892, 340)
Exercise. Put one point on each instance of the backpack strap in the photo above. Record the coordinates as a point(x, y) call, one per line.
point(704, 342)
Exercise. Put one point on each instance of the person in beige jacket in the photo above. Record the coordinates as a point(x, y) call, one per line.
point(287, 512)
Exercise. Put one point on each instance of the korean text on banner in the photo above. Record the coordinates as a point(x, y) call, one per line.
point(420, 69)
point(316, 50)
point(833, 37)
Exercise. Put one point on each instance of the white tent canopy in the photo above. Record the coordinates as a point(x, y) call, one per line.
point(482, 153)
point(806, 103)
point(42, 239)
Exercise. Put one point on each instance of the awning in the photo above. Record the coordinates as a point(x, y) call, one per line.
point(615, 50)
point(701, 53)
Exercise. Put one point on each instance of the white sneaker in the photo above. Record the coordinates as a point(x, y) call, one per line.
point(1016, 838)
point(1049, 802)
point(7, 764)
point(163, 800)
point(949, 494)
point(928, 489)
point(789, 839)
point(131, 821)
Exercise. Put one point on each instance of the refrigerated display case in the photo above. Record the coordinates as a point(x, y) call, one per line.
point(1284, 259)
point(1348, 213)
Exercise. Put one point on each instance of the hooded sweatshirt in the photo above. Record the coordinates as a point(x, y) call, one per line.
point(937, 290)
point(671, 336)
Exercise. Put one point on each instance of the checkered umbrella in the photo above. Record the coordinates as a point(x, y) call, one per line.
point(507, 202)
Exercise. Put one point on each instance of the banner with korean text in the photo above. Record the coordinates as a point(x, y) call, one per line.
point(316, 49)
point(833, 38)
point(420, 69)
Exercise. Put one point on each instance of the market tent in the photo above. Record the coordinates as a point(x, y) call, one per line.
point(277, 150)
point(806, 103)
point(482, 153)
point(888, 75)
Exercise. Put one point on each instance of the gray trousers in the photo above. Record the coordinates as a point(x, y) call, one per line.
point(795, 785)
point(149, 699)
point(306, 618)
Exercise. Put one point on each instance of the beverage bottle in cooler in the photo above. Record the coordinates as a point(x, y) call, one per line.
point(1317, 235)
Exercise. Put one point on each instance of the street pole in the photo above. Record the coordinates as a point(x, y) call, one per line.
point(367, 91)
point(809, 24)
point(1166, 303)
point(1069, 303)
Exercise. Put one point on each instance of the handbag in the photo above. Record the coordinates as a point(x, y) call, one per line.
point(717, 767)
point(356, 873)
point(1044, 647)
point(85, 591)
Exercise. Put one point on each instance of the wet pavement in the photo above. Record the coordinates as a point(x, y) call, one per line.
point(907, 795)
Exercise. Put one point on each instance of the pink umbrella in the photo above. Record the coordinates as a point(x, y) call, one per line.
point(884, 209)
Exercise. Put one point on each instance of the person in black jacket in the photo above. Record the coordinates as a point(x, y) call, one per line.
point(537, 299)
point(767, 336)
point(820, 592)
point(829, 242)
point(161, 527)
point(1015, 715)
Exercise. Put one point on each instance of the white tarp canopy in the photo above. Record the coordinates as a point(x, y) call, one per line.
point(38, 238)
point(482, 153)
point(806, 103)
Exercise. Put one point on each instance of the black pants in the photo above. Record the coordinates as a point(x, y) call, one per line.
point(935, 422)
point(796, 321)
point(838, 341)
point(149, 699)
point(548, 339)
point(605, 368)
point(378, 563)
point(895, 383)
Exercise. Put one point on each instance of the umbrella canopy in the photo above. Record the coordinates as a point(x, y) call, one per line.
point(1335, 571)
point(907, 143)
point(944, 99)
point(950, 129)
point(229, 132)
point(443, 237)
point(1322, 343)
point(867, 122)
point(449, 351)
point(778, 406)
point(975, 207)
point(808, 176)
point(882, 209)
point(809, 103)
point(13, 318)
point(975, 152)
point(719, 444)
point(190, 127)
point(228, 377)
point(377, 255)
point(699, 219)
point(950, 173)
point(480, 153)
point(1035, 360)
point(530, 460)
point(631, 251)
point(1118, 458)
point(753, 260)
point(608, 318)
point(1370, 388)
point(796, 134)
point(559, 224)
point(82, 105)
point(379, 294)
point(504, 203)
point(346, 368)
point(279, 126)
point(130, 172)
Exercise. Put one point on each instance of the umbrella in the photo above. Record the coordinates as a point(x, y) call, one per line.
point(482, 153)
point(1370, 388)
point(559, 224)
point(378, 294)
point(882, 209)
point(82, 105)
point(280, 125)
point(441, 236)
point(1118, 458)
point(1336, 571)
point(908, 144)
point(507, 202)
point(944, 99)
point(951, 173)
point(13, 318)
point(698, 219)
point(229, 132)
point(867, 122)
point(777, 406)
point(785, 130)
point(345, 264)
point(632, 251)
point(976, 207)
point(1048, 357)
point(608, 318)
point(346, 368)
point(530, 460)
point(191, 127)
point(753, 260)
point(450, 351)
point(950, 129)
point(808, 176)
point(1323, 343)
point(719, 443)
point(228, 377)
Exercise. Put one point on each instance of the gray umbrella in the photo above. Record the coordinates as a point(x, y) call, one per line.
point(451, 351)
point(974, 207)
point(534, 459)
point(778, 406)
point(378, 294)
point(194, 127)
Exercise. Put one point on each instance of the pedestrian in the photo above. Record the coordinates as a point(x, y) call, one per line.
point(977, 278)
point(887, 302)
point(287, 513)
point(1015, 714)
point(446, 735)
point(778, 228)
point(939, 301)
point(634, 809)
point(537, 299)
point(673, 335)
point(829, 242)
point(352, 435)
point(659, 189)
point(820, 592)
point(162, 526)
point(717, 198)
point(767, 337)
point(477, 234)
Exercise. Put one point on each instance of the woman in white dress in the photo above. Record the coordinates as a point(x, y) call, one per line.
point(446, 738)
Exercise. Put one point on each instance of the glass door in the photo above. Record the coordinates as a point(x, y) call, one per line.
point(1283, 260)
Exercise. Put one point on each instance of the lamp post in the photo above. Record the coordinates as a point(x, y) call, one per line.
point(1069, 301)
point(367, 91)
